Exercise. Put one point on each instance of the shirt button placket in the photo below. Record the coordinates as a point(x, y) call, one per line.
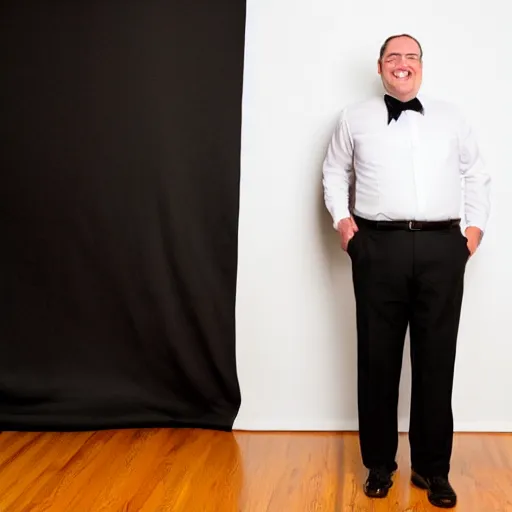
point(416, 165)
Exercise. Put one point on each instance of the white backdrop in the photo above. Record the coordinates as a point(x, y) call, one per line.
point(305, 60)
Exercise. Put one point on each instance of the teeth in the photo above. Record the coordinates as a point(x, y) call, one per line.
point(401, 74)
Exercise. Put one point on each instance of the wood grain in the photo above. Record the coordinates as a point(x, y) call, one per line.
point(201, 471)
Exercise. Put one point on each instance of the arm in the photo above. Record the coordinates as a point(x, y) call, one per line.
point(477, 187)
point(337, 172)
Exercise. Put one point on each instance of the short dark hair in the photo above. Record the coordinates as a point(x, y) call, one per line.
point(390, 38)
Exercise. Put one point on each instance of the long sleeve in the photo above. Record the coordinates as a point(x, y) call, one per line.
point(337, 172)
point(477, 182)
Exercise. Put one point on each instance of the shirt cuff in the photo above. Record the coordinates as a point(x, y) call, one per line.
point(477, 223)
point(340, 215)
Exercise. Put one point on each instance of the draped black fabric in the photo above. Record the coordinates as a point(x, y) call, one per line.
point(119, 195)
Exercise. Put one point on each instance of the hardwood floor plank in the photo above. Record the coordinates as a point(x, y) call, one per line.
point(158, 470)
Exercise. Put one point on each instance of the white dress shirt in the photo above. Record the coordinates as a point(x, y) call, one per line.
point(411, 169)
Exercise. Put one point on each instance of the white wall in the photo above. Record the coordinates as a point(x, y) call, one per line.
point(305, 60)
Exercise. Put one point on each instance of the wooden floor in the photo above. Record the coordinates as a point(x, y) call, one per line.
point(201, 471)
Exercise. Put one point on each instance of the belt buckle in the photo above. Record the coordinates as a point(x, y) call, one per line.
point(411, 226)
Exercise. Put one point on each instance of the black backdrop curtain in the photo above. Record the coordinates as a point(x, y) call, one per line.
point(120, 165)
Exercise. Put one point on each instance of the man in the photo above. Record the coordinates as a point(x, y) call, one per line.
point(408, 156)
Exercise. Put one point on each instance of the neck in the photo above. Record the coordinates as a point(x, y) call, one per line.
point(402, 98)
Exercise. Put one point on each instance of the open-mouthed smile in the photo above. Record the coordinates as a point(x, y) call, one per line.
point(402, 74)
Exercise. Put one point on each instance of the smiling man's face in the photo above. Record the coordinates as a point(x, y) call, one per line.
point(401, 68)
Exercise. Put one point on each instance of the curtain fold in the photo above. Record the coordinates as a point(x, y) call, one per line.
point(119, 196)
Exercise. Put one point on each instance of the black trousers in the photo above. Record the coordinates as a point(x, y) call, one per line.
point(407, 278)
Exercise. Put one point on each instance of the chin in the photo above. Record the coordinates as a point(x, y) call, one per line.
point(404, 91)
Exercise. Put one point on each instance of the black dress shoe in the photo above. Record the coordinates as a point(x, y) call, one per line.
point(378, 483)
point(439, 491)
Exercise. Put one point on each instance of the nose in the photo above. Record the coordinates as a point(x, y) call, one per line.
point(401, 60)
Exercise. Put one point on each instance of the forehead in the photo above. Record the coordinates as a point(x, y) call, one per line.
point(402, 45)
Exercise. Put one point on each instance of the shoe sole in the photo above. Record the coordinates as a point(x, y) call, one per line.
point(422, 484)
point(378, 496)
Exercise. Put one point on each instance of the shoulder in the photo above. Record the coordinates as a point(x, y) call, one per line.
point(442, 108)
point(447, 114)
point(362, 115)
point(364, 108)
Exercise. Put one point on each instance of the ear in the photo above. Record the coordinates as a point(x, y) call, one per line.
point(379, 67)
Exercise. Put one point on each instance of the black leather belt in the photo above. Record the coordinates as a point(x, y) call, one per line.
point(408, 225)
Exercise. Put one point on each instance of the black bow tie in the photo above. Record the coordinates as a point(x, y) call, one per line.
point(396, 107)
